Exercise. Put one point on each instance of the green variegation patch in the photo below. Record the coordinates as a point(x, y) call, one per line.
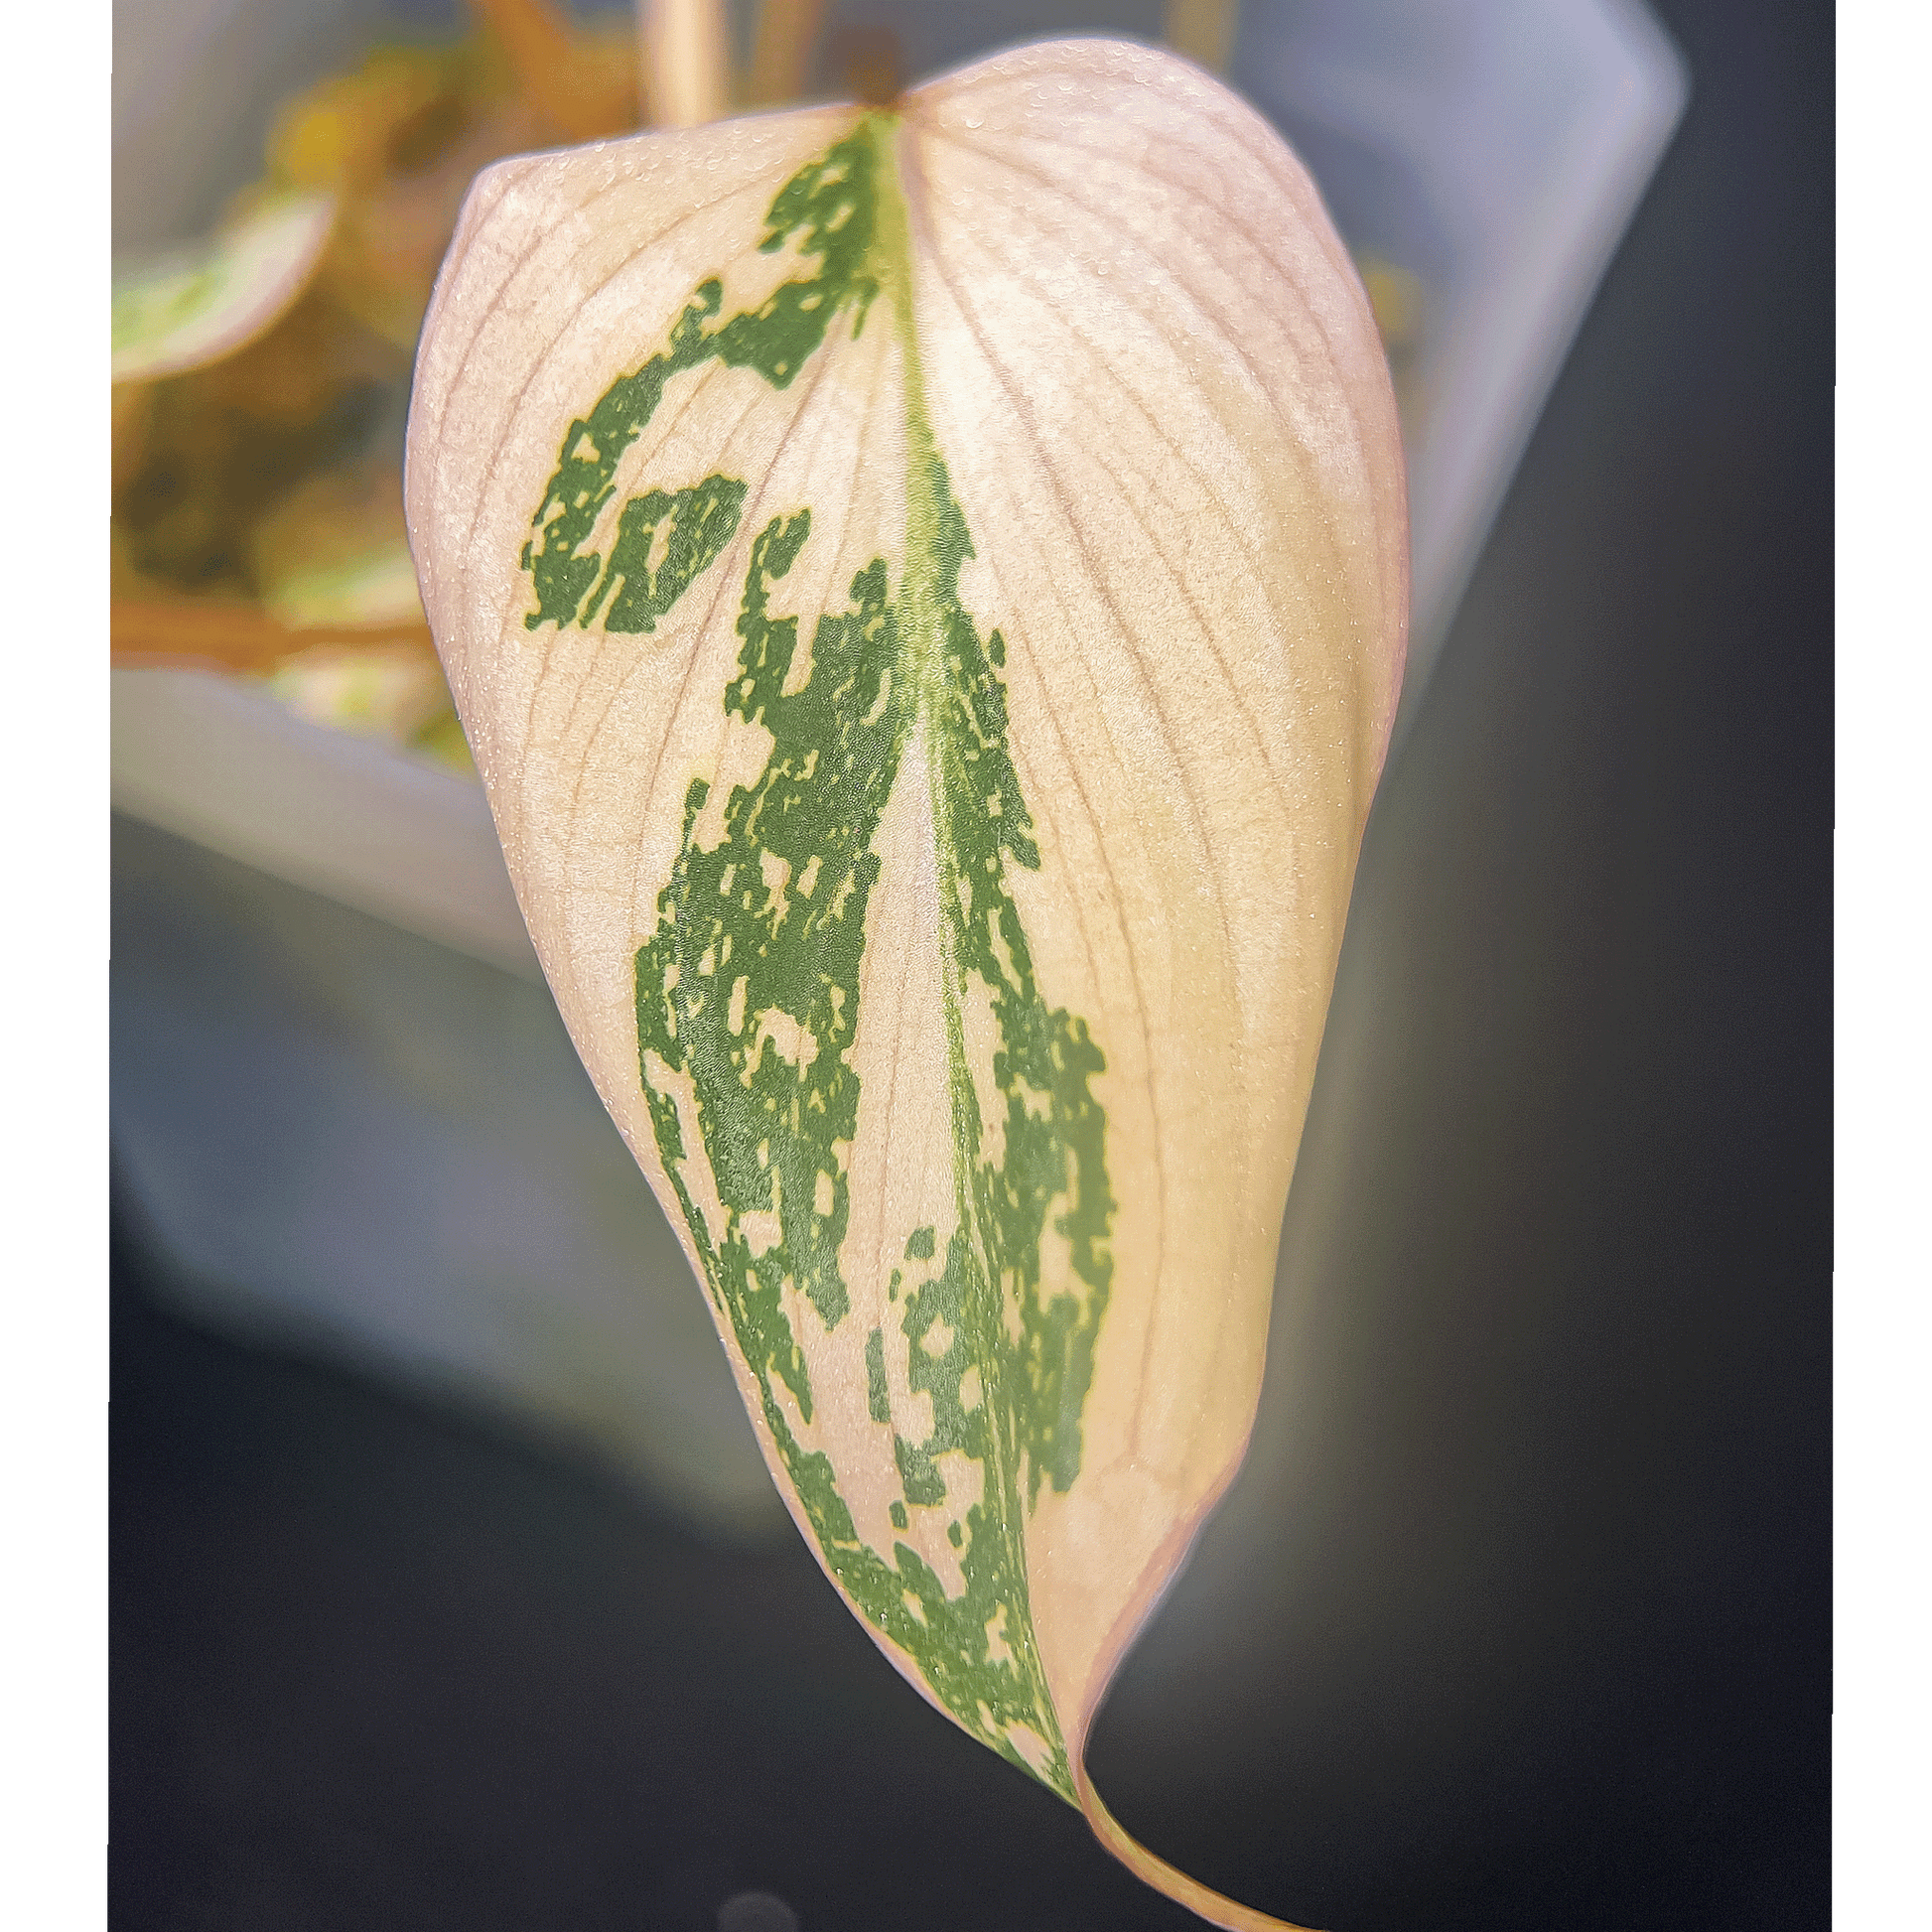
point(747, 993)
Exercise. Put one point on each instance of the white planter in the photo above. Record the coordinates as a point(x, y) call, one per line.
point(480, 1228)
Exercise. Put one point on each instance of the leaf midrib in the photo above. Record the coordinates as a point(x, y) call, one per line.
point(923, 635)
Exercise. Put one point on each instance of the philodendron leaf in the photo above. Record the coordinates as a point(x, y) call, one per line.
point(926, 590)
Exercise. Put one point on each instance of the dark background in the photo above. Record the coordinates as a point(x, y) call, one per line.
point(1518, 1614)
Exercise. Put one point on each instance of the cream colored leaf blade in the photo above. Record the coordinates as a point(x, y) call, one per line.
point(926, 592)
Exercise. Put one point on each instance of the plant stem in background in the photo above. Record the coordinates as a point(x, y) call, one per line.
point(205, 632)
point(686, 78)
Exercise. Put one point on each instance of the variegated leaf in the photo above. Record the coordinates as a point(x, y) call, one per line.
point(926, 588)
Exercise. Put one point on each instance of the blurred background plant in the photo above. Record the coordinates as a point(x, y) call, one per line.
point(257, 473)
point(262, 375)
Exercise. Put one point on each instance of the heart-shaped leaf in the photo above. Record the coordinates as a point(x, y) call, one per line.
point(926, 590)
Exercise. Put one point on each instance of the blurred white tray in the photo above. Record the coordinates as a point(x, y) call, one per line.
point(219, 762)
